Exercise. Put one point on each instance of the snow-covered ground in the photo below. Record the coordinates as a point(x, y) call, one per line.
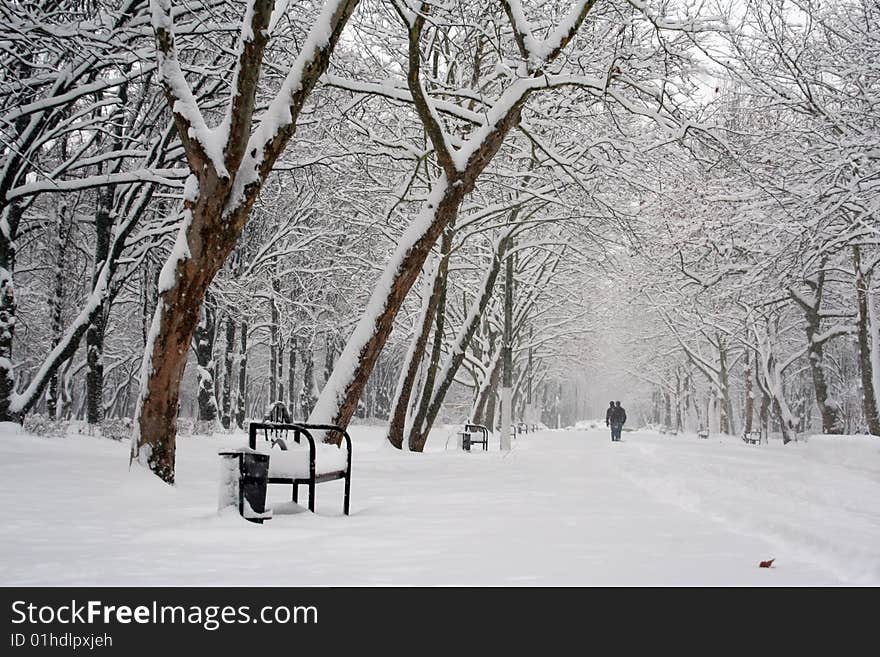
point(562, 508)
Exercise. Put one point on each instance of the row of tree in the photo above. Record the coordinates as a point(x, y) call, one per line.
point(766, 294)
point(266, 190)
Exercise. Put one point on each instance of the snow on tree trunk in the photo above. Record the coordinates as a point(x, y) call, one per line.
point(8, 221)
point(867, 330)
point(339, 398)
point(204, 339)
point(56, 301)
point(103, 236)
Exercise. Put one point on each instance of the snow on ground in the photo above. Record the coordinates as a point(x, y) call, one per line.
point(562, 508)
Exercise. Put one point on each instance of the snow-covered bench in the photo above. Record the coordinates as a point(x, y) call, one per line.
point(752, 437)
point(468, 439)
point(703, 433)
point(294, 463)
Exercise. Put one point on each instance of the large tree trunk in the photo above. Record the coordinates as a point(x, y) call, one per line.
point(339, 399)
point(869, 345)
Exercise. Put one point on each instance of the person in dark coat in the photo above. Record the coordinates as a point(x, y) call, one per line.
point(608, 413)
point(617, 419)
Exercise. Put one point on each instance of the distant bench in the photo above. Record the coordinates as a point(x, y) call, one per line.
point(703, 433)
point(321, 462)
point(468, 439)
point(753, 437)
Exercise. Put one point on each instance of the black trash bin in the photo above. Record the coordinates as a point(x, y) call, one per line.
point(252, 476)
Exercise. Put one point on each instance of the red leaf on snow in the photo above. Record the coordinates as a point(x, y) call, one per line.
point(766, 564)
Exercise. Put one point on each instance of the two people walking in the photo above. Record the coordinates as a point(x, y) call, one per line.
point(615, 417)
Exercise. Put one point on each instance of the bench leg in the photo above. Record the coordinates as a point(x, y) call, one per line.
point(295, 497)
point(312, 496)
point(347, 493)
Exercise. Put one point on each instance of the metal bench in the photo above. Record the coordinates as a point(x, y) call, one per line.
point(703, 433)
point(297, 467)
point(753, 437)
point(467, 437)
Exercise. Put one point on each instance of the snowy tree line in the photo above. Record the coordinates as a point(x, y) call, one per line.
point(210, 206)
point(768, 303)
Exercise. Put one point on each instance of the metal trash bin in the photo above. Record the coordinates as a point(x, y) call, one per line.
point(244, 477)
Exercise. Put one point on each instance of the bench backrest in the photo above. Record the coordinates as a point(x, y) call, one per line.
point(265, 435)
point(477, 428)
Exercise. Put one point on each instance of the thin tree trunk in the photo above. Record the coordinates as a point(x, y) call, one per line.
point(410, 370)
point(241, 398)
point(433, 397)
point(748, 377)
point(228, 369)
point(291, 376)
point(726, 420)
point(867, 342)
point(56, 305)
point(487, 391)
point(274, 356)
point(204, 338)
point(307, 395)
point(829, 409)
point(97, 327)
point(329, 356)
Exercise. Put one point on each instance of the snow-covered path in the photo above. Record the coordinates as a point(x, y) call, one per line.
point(563, 508)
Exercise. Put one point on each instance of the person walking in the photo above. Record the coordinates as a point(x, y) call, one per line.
point(617, 418)
point(608, 413)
